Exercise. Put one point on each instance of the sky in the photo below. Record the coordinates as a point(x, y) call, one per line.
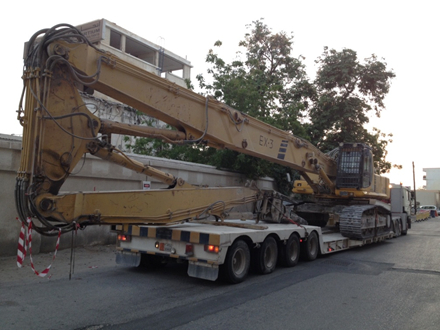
point(404, 34)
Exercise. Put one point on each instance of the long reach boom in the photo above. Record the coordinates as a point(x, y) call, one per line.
point(58, 129)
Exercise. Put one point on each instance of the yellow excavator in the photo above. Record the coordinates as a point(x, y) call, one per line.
point(58, 130)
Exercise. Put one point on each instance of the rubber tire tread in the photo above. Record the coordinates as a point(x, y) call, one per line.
point(306, 248)
point(226, 270)
point(284, 252)
point(261, 266)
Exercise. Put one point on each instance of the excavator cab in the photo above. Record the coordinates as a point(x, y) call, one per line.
point(355, 166)
point(355, 176)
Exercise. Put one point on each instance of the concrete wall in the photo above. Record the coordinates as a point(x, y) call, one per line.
point(428, 197)
point(94, 174)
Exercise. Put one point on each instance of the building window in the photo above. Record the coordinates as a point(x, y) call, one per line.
point(115, 39)
point(139, 50)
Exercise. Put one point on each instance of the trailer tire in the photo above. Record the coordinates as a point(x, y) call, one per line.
point(267, 256)
point(290, 252)
point(237, 263)
point(310, 247)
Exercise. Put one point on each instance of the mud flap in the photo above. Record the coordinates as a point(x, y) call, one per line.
point(203, 271)
point(128, 259)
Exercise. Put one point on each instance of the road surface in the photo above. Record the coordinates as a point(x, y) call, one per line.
point(389, 285)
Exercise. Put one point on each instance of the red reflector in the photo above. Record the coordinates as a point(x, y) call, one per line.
point(330, 249)
point(161, 246)
point(189, 250)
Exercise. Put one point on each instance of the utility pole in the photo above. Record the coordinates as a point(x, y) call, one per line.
point(414, 183)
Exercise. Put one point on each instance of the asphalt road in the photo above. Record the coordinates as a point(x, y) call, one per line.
point(389, 285)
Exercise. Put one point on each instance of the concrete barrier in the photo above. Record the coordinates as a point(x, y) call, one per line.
point(422, 215)
point(95, 175)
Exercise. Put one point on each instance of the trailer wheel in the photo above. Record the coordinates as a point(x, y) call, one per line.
point(267, 256)
point(310, 248)
point(237, 262)
point(289, 253)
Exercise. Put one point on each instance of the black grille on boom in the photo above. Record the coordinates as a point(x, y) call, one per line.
point(349, 170)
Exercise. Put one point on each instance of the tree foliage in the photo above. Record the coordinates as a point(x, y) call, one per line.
point(154, 147)
point(267, 82)
point(347, 91)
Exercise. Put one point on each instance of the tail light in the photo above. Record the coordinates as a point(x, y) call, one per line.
point(212, 248)
point(124, 238)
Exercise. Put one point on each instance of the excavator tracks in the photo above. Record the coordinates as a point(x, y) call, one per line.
point(363, 221)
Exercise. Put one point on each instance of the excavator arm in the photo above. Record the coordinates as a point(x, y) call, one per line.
point(200, 119)
point(59, 129)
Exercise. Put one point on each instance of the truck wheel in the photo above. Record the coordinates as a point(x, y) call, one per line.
point(404, 232)
point(397, 227)
point(238, 259)
point(267, 256)
point(289, 253)
point(310, 248)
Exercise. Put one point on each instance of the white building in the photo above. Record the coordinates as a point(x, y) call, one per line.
point(432, 178)
point(430, 194)
point(137, 51)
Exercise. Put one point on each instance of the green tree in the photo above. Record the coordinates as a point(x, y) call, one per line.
point(347, 91)
point(187, 152)
point(267, 83)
